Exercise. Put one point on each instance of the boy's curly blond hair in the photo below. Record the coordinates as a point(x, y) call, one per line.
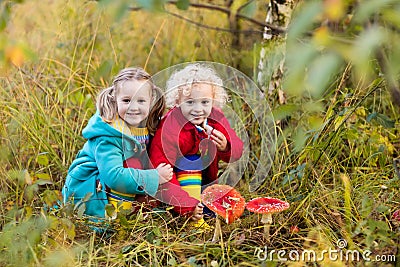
point(180, 83)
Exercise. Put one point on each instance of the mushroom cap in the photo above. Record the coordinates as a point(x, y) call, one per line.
point(225, 201)
point(266, 205)
point(396, 216)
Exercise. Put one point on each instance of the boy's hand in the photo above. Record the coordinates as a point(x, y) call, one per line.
point(164, 172)
point(217, 138)
point(198, 212)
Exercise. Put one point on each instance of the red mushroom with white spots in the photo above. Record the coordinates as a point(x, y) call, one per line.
point(266, 206)
point(226, 202)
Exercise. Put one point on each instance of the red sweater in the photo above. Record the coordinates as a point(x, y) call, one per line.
point(176, 137)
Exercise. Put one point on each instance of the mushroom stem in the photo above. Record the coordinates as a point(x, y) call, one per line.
point(266, 219)
point(217, 231)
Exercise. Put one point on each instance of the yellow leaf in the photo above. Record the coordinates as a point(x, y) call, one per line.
point(15, 55)
point(360, 111)
point(321, 36)
point(334, 9)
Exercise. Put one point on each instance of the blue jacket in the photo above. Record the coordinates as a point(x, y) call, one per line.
point(101, 161)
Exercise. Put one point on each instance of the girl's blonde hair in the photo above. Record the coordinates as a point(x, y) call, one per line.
point(106, 101)
point(180, 83)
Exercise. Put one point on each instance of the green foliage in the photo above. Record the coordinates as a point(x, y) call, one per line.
point(249, 9)
point(382, 119)
point(4, 16)
point(324, 38)
point(152, 5)
point(183, 4)
point(332, 45)
point(19, 242)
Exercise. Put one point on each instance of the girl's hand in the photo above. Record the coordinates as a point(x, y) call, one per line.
point(164, 172)
point(218, 139)
point(197, 212)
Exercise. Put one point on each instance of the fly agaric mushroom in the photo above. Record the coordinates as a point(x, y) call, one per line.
point(266, 206)
point(226, 202)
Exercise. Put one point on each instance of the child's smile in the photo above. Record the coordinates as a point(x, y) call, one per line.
point(197, 106)
point(133, 102)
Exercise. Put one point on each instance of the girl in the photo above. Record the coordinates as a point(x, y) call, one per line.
point(111, 166)
point(193, 136)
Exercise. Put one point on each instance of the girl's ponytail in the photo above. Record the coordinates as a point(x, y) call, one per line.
point(156, 111)
point(106, 104)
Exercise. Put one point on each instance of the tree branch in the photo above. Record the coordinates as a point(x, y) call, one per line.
point(275, 29)
point(211, 27)
point(227, 11)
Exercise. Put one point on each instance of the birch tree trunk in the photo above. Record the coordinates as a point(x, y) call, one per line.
point(272, 54)
point(269, 79)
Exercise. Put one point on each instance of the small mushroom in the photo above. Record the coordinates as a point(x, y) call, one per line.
point(226, 202)
point(266, 206)
point(396, 218)
point(294, 229)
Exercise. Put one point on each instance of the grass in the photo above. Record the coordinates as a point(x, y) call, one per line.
point(337, 175)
